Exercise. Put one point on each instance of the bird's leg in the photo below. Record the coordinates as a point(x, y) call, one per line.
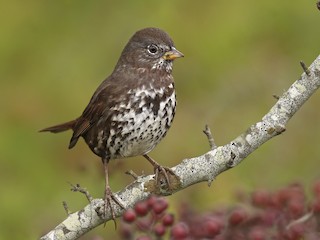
point(108, 194)
point(158, 168)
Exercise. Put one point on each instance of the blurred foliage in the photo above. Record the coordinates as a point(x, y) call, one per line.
point(54, 54)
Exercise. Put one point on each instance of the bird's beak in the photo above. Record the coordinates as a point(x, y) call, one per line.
point(172, 54)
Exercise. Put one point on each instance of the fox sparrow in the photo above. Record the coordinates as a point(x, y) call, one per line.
point(132, 109)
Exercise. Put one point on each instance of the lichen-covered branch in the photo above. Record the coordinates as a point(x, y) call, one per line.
point(202, 168)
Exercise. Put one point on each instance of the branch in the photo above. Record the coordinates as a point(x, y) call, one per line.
point(201, 168)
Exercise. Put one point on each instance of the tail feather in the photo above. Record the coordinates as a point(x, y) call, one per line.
point(60, 127)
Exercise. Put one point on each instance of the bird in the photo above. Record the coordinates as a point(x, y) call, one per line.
point(131, 110)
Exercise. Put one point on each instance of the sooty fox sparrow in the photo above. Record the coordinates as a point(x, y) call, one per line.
point(132, 109)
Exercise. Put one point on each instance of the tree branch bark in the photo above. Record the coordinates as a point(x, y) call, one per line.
point(202, 168)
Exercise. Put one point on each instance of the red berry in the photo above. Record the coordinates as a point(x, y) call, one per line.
point(257, 234)
point(296, 208)
point(237, 216)
point(126, 231)
point(129, 216)
point(284, 196)
point(213, 227)
point(269, 217)
point(278, 200)
point(160, 205)
point(180, 231)
point(151, 200)
point(316, 206)
point(260, 198)
point(141, 208)
point(168, 220)
point(159, 230)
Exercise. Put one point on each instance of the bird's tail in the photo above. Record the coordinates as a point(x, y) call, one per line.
point(60, 127)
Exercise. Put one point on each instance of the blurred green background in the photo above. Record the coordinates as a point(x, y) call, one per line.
point(238, 54)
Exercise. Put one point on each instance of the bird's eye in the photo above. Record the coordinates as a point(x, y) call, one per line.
point(153, 49)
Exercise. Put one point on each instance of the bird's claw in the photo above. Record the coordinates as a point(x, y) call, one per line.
point(108, 198)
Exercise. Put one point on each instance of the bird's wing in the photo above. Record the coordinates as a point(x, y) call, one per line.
point(92, 112)
point(104, 98)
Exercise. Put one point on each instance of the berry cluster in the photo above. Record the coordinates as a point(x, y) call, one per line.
point(148, 220)
point(281, 215)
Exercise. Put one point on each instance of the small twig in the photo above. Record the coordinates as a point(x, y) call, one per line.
point(305, 68)
point(276, 96)
point(66, 208)
point(304, 218)
point(208, 133)
point(78, 188)
point(132, 174)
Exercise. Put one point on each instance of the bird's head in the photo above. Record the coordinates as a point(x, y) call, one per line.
point(151, 49)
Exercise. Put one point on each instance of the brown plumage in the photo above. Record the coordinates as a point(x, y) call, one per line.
point(131, 110)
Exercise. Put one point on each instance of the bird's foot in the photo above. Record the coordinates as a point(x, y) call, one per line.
point(160, 170)
point(165, 171)
point(108, 198)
